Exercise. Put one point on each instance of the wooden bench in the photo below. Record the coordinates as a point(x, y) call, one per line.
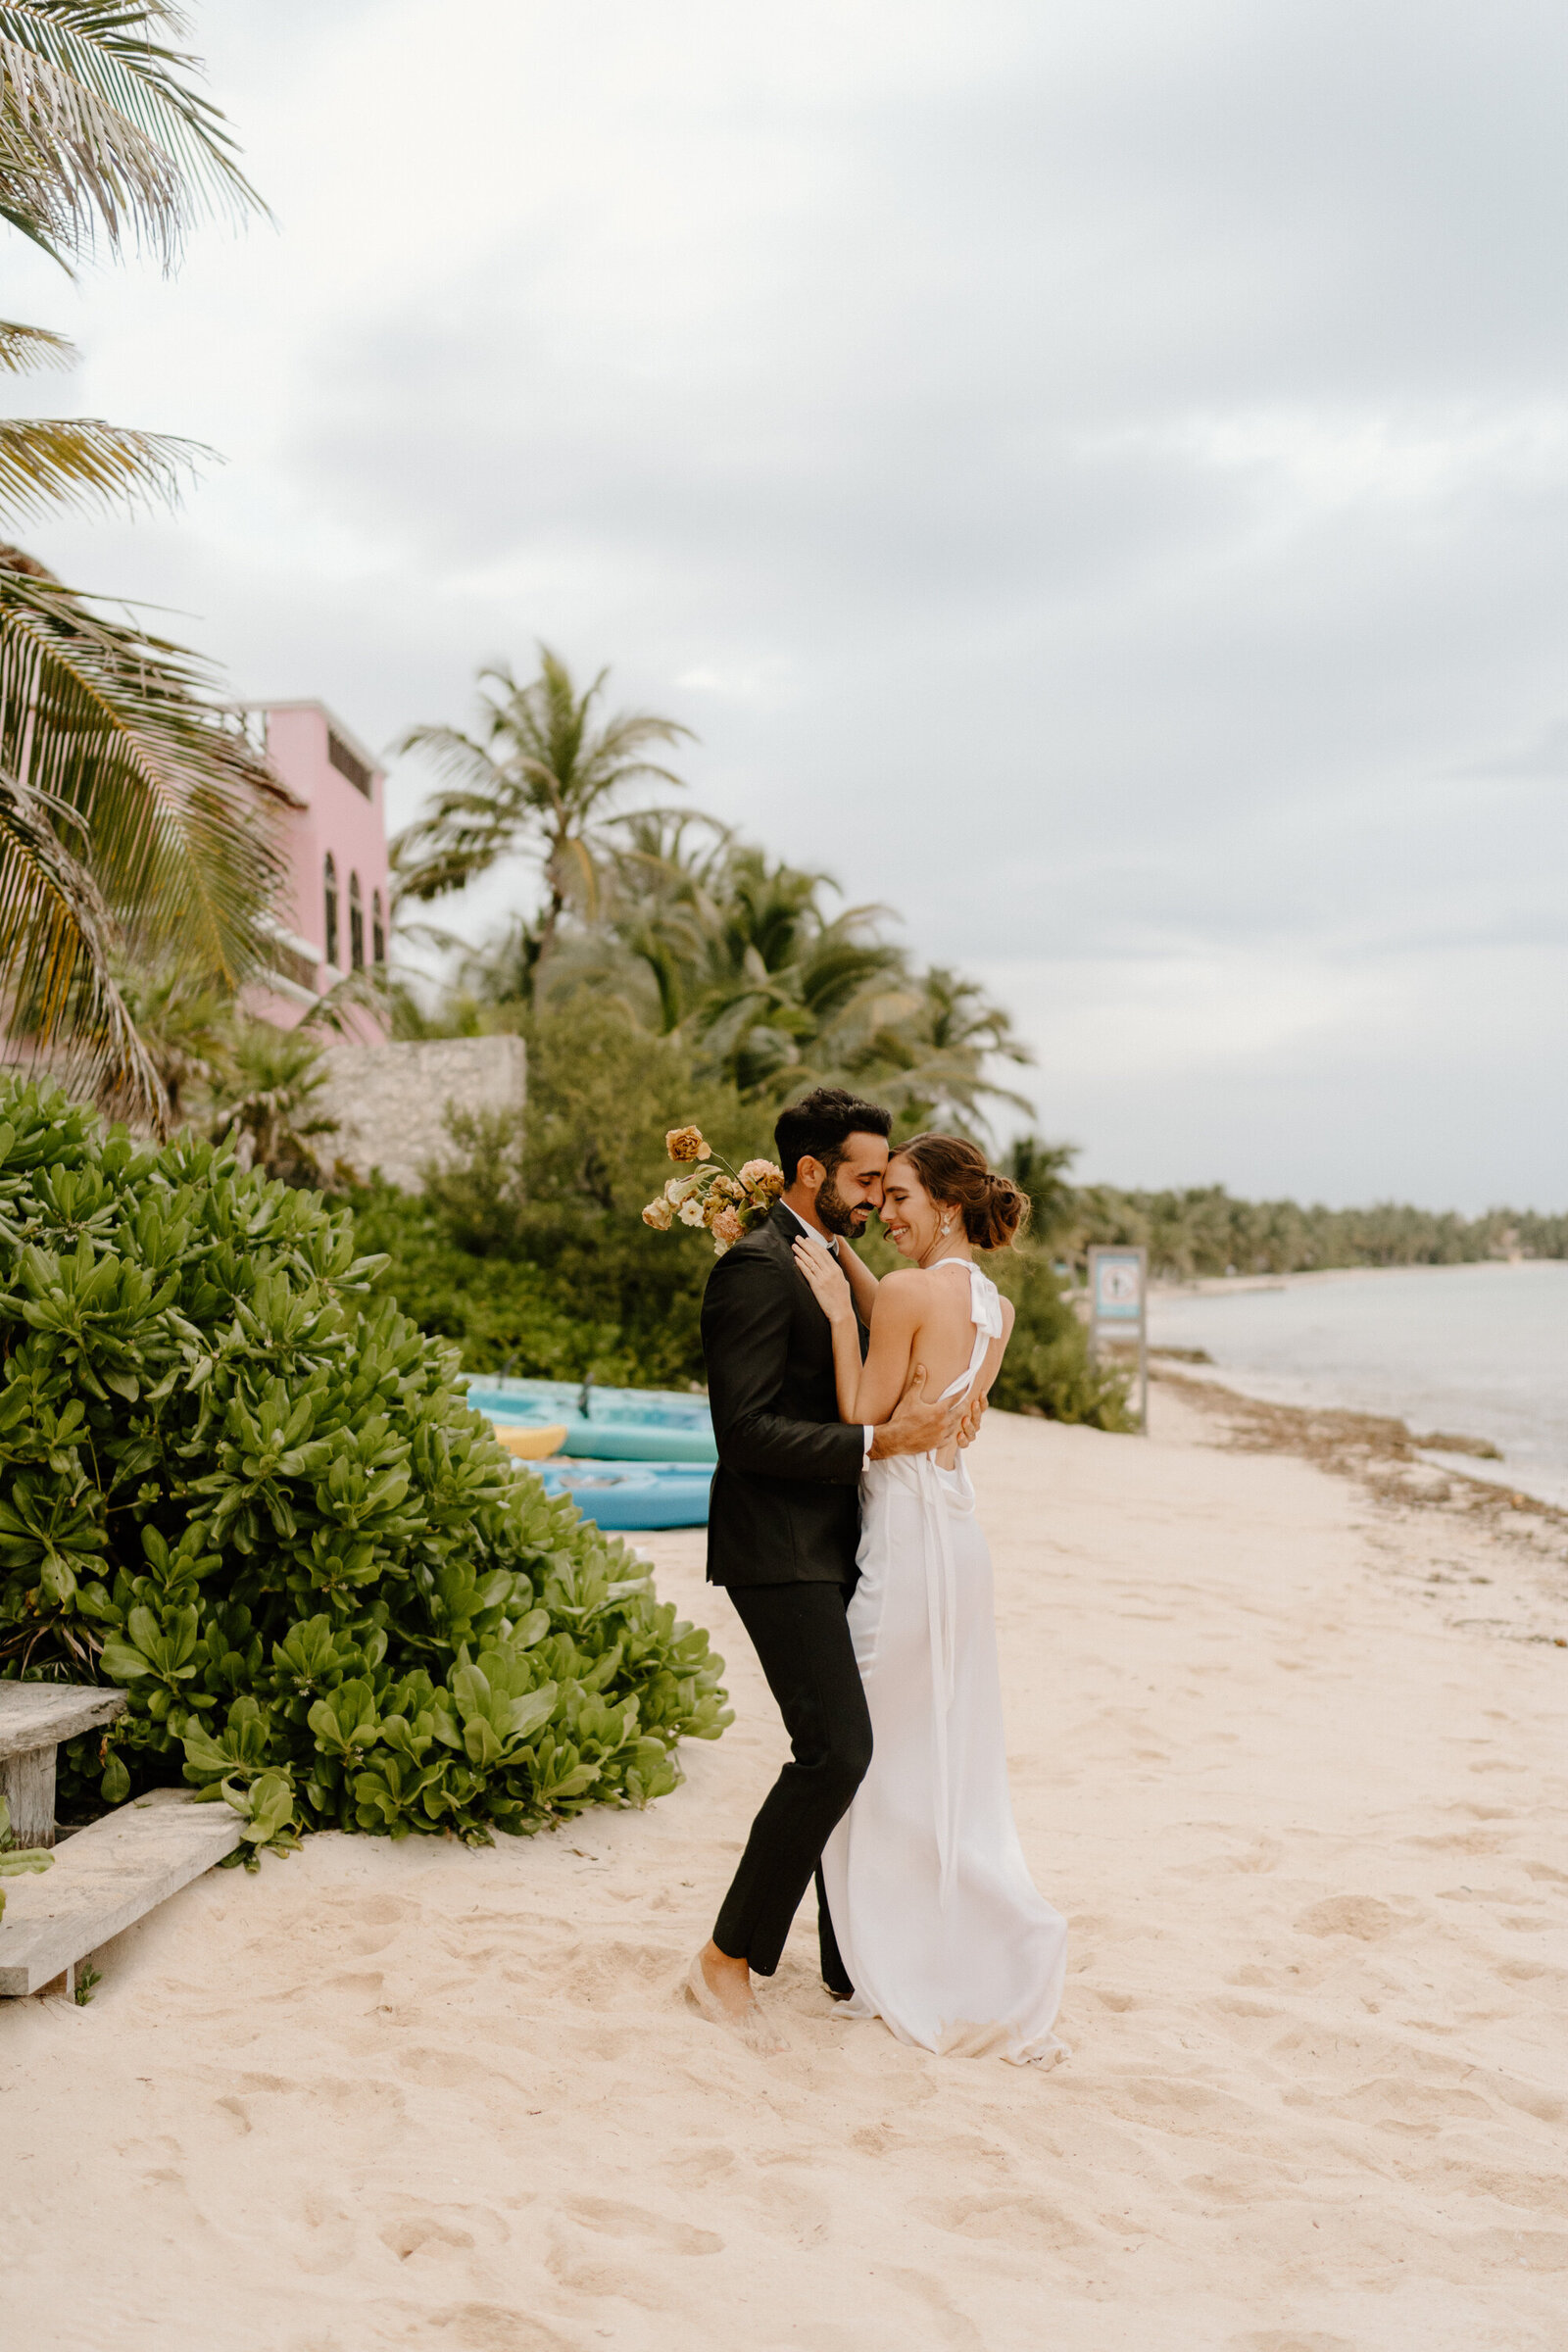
point(35, 1717)
point(103, 1880)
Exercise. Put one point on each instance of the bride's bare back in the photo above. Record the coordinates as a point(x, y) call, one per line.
point(923, 1318)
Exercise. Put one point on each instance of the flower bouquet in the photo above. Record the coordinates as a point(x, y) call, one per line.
point(727, 1200)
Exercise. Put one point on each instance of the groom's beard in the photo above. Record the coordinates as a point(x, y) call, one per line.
point(837, 1215)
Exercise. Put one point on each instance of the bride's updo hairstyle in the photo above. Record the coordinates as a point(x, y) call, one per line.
point(956, 1174)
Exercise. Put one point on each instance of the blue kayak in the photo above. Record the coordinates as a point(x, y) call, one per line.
point(622, 1425)
point(644, 1494)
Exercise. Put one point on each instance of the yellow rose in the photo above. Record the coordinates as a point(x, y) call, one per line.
point(685, 1143)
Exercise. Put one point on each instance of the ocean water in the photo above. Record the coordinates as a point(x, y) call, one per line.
point(1480, 1350)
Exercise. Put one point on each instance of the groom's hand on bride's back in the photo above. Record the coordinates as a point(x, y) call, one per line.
point(917, 1427)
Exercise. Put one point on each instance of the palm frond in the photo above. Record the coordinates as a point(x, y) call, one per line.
point(26, 347)
point(368, 989)
point(45, 461)
point(185, 1024)
point(119, 726)
point(60, 1000)
point(103, 131)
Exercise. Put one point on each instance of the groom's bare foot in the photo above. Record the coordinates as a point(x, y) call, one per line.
point(722, 1989)
point(729, 1982)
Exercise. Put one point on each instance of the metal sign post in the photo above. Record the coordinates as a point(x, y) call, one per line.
point(1118, 1305)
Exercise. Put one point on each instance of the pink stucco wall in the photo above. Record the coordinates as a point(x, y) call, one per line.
point(333, 817)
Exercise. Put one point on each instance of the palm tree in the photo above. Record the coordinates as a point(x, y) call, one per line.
point(185, 1027)
point(930, 1065)
point(740, 956)
point(783, 990)
point(707, 940)
point(275, 1118)
point(132, 816)
point(541, 778)
point(660, 891)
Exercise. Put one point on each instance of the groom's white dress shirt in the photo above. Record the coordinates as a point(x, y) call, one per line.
point(832, 1248)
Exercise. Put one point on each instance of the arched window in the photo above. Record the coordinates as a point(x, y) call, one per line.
point(377, 929)
point(355, 925)
point(331, 909)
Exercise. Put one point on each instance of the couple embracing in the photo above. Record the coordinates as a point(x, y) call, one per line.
point(843, 1528)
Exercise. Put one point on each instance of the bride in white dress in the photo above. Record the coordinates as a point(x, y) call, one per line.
point(941, 1931)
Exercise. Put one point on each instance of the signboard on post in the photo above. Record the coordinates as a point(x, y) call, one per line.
point(1118, 1308)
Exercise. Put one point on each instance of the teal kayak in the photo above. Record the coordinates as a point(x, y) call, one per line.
point(624, 1424)
point(643, 1495)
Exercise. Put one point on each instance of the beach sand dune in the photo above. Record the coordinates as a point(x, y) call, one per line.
point(1306, 1824)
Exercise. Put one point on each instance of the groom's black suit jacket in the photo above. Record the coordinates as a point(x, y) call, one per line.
point(786, 1504)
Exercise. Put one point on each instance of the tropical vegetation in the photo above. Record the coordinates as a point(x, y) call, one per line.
point(133, 816)
point(672, 972)
point(693, 935)
point(237, 1481)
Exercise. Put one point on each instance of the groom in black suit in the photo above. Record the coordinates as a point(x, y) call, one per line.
point(784, 1527)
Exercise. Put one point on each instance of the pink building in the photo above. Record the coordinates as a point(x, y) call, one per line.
point(334, 914)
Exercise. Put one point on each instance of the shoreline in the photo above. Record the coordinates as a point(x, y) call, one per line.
point(1465, 1461)
point(1378, 1449)
point(1488, 1367)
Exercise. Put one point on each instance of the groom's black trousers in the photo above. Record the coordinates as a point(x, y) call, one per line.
point(802, 1636)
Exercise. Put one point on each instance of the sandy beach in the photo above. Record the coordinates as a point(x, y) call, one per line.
point(1286, 1747)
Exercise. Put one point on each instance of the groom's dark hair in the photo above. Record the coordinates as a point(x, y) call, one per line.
point(821, 1124)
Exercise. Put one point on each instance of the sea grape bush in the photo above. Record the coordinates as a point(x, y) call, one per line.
point(237, 1481)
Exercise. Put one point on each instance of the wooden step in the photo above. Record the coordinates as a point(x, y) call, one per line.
point(34, 1718)
point(106, 1878)
point(36, 1715)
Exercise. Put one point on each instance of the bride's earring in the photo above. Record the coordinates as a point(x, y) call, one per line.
point(945, 1222)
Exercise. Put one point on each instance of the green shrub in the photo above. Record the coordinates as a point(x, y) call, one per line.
point(235, 1479)
point(1047, 1368)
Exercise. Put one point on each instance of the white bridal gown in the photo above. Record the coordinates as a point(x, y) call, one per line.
point(941, 1931)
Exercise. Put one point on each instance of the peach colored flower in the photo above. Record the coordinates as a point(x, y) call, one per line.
point(762, 1176)
point(659, 1215)
point(727, 1227)
point(685, 1143)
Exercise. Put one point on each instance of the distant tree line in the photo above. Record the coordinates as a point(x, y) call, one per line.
point(1204, 1230)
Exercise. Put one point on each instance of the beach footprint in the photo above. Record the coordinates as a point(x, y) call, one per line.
point(1362, 1916)
point(1013, 2221)
point(496, 2328)
point(613, 2219)
point(326, 2242)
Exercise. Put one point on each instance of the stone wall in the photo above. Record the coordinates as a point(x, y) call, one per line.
point(391, 1102)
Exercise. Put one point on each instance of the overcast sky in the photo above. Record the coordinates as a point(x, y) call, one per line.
point(1096, 477)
